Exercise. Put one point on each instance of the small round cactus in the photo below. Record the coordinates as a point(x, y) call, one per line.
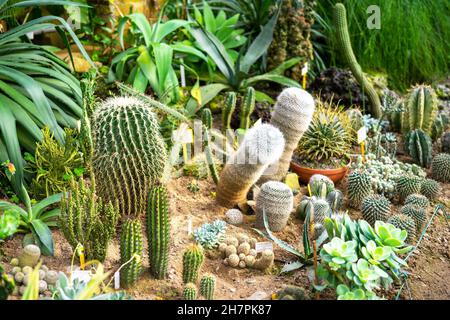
point(51, 277)
point(404, 222)
point(190, 292)
point(233, 260)
point(192, 262)
point(375, 207)
point(14, 262)
point(18, 277)
point(208, 286)
point(430, 188)
point(418, 200)
point(244, 248)
point(234, 217)
point(407, 185)
point(359, 187)
point(321, 186)
point(232, 241)
point(29, 256)
point(42, 286)
point(417, 213)
point(265, 261)
point(440, 167)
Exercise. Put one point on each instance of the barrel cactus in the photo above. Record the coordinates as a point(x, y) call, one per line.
point(129, 153)
point(292, 115)
point(208, 286)
point(276, 200)
point(335, 199)
point(404, 222)
point(419, 146)
point(306, 204)
point(29, 256)
point(375, 208)
point(430, 188)
point(418, 214)
point(418, 200)
point(131, 247)
point(261, 146)
point(192, 262)
point(440, 167)
point(407, 185)
point(321, 211)
point(320, 185)
point(190, 292)
point(158, 232)
point(421, 108)
point(359, 187)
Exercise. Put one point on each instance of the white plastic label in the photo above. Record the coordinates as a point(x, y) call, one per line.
point(261, 246)
point(362, 134)
point(82, 275)
point(117, 280)
point(305, 69)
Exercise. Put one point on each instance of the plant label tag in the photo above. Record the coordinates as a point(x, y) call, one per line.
point(261, 246)
point(82, 275)
point(117, 280)
point(183, 76)
point(362, 134)
point(189, 226)
point(305, 69)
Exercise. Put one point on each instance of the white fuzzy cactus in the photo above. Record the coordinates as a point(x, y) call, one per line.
point(276, 200)
point(261, 146)
point(292, 115)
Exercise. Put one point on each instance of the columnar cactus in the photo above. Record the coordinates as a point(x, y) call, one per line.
point(207, 118)
point(421, 108)
point(440, 167)
point(276, 200)
point(190, 292)
point(292, 115)
point(321, 211)
point(375, 208)
point(359, 187)
point(407, 185)
point(131, 247)
point(227, 110)
point(129, 153)
point(345, 46)
point(404, 222)
point(418, 214)
point(192, 262)
point(419, 146)
point(430, 188)
point(208, 286)
point(335, 199)
point(247, 108)
point(261, 146)
point(417, 200)
point(158, 232)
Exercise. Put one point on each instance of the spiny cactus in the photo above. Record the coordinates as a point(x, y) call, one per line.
point(345, 46)
point(430, 188)
point(247, 108)
point(440, 167)
point(418, 214)
point(262, 146)
point(292, 115)
point(419, 146)
point(320, 186)
point(227, 110)
point(192, 262)
point(445, 142)
point(306, 204)
point(129, 153)
point(404, 222)
point(321, 211)
point(421, 108)
point(359, 187)
point(190, 292)
point(440, 124)
point(418, 200)
point(158, 232)
point(131, 246)
point(29, 257)
point(85, 219)
point(407, 185)
point(335, 199)
point(207, 118)
point(375, 208)
point(265, 261)
point(208, 286)
point(276, 200)
point(356, 118)
point(234, 216)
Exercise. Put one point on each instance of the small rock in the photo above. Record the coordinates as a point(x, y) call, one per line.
point(258, 295)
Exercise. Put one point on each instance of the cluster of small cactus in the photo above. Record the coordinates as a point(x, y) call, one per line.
point(321, 185)
point(193, 259)
point(375, 208)
point(208, 286)
point(227, 110)
point(417, 200)
point(129, 152)
point(440, 167)
point(131, 247)
point(241, 252)
point(261, 146)
point(430, 188)
point(234, 216)
point(404, 222)
point(292, 115)
point(418, 214)
point(275, 200)
point(358, 188)
point(407, 185)
point(158, 231)
point(190, 291)
point(419, 146)
point(421, 108)
point(247, 108)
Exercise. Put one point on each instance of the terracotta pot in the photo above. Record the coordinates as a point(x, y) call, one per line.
point(304, 173)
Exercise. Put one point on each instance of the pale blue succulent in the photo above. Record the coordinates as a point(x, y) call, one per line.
point(337, 253)
point(209, 235)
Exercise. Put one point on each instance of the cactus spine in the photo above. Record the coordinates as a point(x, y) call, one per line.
point(358, 188)
point(247, 108)
point(375, 208)
point(430, 189)
point(292, 115)
point(262, 146)
point(418, 200)
point(419, 146)
point(129, 153)
point(345, 46)
point(208, 286)
point(228, 109)
point(192, 262)
point(440, 167)
point(158, 232)
point(420, 110)
point(404, 222)
point(276, 200)
point(131, 252)
point(407, 185)
point(190, 292)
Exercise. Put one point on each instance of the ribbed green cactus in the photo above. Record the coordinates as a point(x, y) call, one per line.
point(419, 146)
point(440, 124)
point(407, 185)
point(129, 153)
point(321, 211)
point(228, 109)
point(247, 108)
point(418, 214)
point(421, 108)
point(192, 262)
point(375, 208)
point(276, 200)
point(320, 186)
point(207, 118)
point(359, 187)
point(86, 220)
point(345, 47)
point(440, 167)
point(158, 232)
point(430, 188)
point(417, 200)
point(190, 292)
point(207, 125)
point(335, 199)
point(208, 286)
point(306, 204)
point(404, 222)
point(131, 246)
